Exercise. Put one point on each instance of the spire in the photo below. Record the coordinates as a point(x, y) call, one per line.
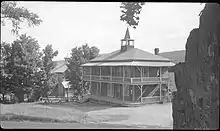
point(127, 43)
point(127, 34)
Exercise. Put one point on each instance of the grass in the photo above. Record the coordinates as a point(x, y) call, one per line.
point(14, 117)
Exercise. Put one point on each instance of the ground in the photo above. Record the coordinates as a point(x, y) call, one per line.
point(92, 115)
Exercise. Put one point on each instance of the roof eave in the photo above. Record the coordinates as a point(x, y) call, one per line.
point(127, 60)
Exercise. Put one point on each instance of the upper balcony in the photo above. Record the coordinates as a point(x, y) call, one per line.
point(129, 75)
point(134, 80)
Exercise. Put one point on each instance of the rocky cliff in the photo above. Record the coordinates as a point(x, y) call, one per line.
point(196, 101)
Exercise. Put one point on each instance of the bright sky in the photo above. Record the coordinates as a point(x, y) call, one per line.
point(69, 24)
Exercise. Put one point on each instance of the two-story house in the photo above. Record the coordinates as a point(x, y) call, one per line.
point(127, 75)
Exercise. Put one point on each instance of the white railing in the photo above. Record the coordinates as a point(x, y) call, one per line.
point(145, 79)
point(123, 79)
point(86, 77)
point(105, 77)
point(116, 78)
point(127, 79)
point(136, 80)
point(94, 77)
point(150, 79)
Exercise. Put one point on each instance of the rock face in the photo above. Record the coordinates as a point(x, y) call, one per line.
point(196, 101)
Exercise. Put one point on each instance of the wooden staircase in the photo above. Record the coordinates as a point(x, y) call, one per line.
point(153, 91)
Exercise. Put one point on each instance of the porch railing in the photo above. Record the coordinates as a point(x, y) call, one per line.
point(133, 80)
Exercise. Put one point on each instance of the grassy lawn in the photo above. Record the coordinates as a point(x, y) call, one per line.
point(14, 117)
point(41, 111)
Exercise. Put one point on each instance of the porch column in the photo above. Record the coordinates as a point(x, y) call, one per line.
point(148, 71)
point(100, 80)
point(111, 90)
point(160, 83)
point(123, 73)
point(110, 73)
point(90, 75)
point(123, 92)
point(141, 93)
point(133, 93)
point(141, 74)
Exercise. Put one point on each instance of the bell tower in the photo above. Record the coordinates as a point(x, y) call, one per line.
point(127, 43)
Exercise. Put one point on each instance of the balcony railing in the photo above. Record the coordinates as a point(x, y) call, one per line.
point(133, 80)
point(105, 77)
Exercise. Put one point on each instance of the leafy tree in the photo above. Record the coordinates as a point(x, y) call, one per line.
point(16, 15)
point(130, 11)
point(79, 55)
point(47, 66)
point(21, 58)
point(4, 77)
point(22, 61)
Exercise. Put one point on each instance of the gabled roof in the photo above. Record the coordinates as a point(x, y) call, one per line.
point(133, 54)
point(175, 56)
point(60, 66)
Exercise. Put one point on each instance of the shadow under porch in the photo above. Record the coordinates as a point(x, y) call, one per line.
point(126, 94)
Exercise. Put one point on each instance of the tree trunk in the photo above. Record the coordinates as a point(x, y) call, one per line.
point(196, 102)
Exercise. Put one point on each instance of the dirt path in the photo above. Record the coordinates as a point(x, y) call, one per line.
point(151, 115)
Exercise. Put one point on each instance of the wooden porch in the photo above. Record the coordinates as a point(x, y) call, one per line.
point(125, 85)
point(123, 94)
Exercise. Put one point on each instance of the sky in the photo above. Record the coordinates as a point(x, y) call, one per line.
point(69, 24)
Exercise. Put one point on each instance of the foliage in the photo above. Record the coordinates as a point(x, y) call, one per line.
point(79, 55)
point(48, 65)
point(22, 61)
point(11, 12)
point(130, 11)
point(26, 70)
